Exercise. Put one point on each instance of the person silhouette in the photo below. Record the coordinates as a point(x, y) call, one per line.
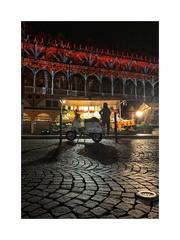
point(77, 120)
point(105, 116)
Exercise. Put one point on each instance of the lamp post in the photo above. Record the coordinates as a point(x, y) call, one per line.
point(139, 115)
point(69, 75)
point(123, 102)
point(61, 101)
point(115, 126)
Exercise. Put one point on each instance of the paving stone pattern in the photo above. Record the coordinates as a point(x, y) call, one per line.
point(88, 180)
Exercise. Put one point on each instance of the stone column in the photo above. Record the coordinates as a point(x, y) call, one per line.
point(135, 88)
point(144, 90)
point(46, 80)
point(153, 91)
point(34, 82)
point(153, 87)
point(85, 85)
point(112, 86)
point(100, 85)
point(124, 82)
point(52, 83)
point(33, 123)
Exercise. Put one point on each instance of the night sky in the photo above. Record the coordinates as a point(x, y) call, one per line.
point(136, 37)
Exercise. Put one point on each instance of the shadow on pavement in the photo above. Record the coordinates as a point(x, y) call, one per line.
point(100, 152)
point(51, 156)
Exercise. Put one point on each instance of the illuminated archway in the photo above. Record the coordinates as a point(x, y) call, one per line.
point(118, 86)
point(43, 117)
point(148, 89)
point(156, 89)
point(43, 79)
point(27, 77)
point(106, 85)
point(77, 82)
point(60, 81)
point(140, 88)
point(26, 117)
point(93, 84)
point(129, 87)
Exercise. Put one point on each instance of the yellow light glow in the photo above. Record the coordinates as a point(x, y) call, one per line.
point(139, 113)
point(96, 114)
point(85, 108)
point(91, 108)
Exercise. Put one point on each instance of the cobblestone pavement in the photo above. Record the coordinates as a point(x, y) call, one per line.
point(89, 180)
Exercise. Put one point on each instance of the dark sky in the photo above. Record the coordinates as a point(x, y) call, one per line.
point(138, 37)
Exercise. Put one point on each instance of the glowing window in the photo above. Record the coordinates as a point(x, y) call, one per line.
point(91, 108)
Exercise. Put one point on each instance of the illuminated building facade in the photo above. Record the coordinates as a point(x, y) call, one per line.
point(60, 70)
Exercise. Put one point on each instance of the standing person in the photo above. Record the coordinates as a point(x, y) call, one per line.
point(105, 116)
point(77, 120)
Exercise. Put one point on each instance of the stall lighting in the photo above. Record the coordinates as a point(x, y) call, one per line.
point(139, 114)
point(85, 108)
point(91, 108)
point(96, 114)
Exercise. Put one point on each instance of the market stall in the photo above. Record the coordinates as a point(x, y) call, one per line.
point(91, 108)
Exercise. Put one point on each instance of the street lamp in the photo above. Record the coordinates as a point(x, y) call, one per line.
point(123, 102)
point(139, 114)
point(69, 76)
point(61, 101)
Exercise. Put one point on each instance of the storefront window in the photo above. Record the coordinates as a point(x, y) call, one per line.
point(87, 109)
point(91, 108)
point(42, 117)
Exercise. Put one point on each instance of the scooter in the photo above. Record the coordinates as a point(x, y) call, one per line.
point(91, 128)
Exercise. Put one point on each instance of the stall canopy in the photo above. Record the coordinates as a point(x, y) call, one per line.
point(150, 112)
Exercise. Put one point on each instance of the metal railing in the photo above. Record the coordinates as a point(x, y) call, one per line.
point(43, 90)
point(61, 92)
point(80, 93)
point(28, 89)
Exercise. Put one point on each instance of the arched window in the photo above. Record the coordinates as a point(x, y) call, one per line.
point(26, 117)
point(77, 82)
point(60, 81)
point(140, 88)
point(130, 87)
point(43, 117)
point(43, 79)
point(93, 84)
point(106, 85)
point(27, 77)
point(148, 89)
point(118, 86)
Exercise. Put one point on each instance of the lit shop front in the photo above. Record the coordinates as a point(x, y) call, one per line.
point(86, 109)
point(91, 108)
